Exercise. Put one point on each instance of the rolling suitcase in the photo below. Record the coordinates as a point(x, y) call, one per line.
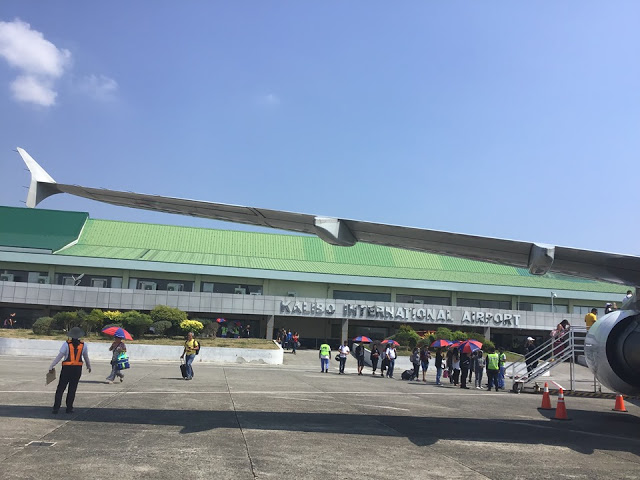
point(183, 370)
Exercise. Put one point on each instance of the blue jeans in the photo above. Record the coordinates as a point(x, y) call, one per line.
point(114, 372)
point(188, 361)
point(501, 377)
point(324, 364)
point(438, 374)
point(392, 364)
point(343, 361)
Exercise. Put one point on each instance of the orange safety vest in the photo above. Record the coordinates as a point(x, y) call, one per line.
point(75, 354)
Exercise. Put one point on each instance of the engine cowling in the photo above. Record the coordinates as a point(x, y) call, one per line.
point(612, 350)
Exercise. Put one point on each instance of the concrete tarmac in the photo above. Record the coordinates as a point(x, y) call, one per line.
point(291, 421)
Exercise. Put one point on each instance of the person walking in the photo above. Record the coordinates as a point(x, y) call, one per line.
point(450, 363)
point(591, 318)
point(529, 347)
point(374, 356)
point(391, 354)
point(324, 354)
point(479, 365)
point(294, 341)
point(191, 348)
point(465, 364)
point(74, 351)
point(384, 362)
point(502, 359)
point(415, 360)
point(344, 353)
point(493, 367)
point(360, 357)
point(117, 347)
point(425, 356)
point(438, 366)
point(455, 365)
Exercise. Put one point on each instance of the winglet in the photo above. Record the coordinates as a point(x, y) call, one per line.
point(42, 185)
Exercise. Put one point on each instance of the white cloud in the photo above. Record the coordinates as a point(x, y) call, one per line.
point(99, 87)
point(38, 60)
point(27, 88)
point(270, 100)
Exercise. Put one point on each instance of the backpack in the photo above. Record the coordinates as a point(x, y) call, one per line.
point(197, 345)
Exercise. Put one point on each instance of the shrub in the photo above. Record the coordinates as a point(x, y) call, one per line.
point(169, 314)
point(194, 326)
point(210, 330)
point(459, 335)
point(136, 323)
point(42, 326)
point(93, 321)
point(161, 327)
point(113, 315)
point(65, 320)
point(406, 336)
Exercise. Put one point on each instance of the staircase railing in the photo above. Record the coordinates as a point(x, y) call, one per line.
point(551, 353)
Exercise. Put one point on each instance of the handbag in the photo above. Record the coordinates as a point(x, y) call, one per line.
point(337, 358)
point(122, 362)
point(445, 374)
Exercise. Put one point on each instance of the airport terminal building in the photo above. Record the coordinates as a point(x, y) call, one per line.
point(59, 260)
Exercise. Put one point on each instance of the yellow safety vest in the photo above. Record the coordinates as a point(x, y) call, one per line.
point(325, 350)
point(492, 361)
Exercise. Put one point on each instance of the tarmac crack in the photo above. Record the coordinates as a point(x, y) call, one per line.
point(235, 412)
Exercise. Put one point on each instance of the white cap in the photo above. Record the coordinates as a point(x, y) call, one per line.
point(530, 338)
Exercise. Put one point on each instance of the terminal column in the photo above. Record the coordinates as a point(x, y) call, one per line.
point(270, 325)
point(487, 333)
point(345, 331)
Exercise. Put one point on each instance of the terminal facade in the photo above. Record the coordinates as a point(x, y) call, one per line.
point(52, 261)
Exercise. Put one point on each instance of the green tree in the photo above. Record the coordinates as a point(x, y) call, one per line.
point(443, 333)
point(161, 327)
point(406, 336)
point(65, 320)
point(136, 323)
point(169, 314)
point(459, 335)
point(93, 321)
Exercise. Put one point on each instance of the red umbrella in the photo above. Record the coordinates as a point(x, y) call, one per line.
point(456, 344)
point(389, 341)
point(117, 331)
point(470, 346)
point(441, 343)
point(220, 320)
point(362, 339)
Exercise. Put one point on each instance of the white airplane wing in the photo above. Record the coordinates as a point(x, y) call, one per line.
point(538, 258)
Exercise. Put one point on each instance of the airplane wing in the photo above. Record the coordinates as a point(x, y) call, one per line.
point(538, 258)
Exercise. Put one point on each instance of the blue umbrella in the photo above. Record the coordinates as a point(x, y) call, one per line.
point(362, 339)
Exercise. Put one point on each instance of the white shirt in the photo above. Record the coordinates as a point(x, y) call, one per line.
point(344, 351)
point(64, 353)
point(391, 353)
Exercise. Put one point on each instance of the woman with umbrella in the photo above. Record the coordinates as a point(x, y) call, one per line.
point(439, 345)
point(117, 347)
point(73, 351)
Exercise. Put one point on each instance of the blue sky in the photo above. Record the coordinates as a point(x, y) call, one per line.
point(508, 119)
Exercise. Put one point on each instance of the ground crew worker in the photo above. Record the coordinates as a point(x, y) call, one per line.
point(325, 355)
point(591, 318)
point(73, 351)
point(502, 359)
point(493, 367)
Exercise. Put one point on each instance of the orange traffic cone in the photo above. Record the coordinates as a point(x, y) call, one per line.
point(546, 400)
point(619, 404)
point(561, 410)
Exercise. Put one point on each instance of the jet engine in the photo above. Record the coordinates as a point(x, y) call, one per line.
point(612, 350)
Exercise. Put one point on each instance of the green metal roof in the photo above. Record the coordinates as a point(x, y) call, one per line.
point(296, 253)
point(35, 228)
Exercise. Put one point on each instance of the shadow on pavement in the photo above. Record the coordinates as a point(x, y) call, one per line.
point(421, 431)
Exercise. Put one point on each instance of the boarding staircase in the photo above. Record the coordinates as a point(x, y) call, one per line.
point(555, 351)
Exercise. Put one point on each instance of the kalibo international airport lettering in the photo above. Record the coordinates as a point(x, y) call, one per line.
point(407, 314)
